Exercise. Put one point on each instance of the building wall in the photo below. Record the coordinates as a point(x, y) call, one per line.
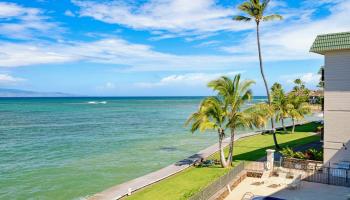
point(337, 106)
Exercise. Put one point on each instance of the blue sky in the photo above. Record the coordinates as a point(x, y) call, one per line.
point(157, 47)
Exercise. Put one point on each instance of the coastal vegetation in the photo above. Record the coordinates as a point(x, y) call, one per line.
point(186, 183)
point(255, 10)
point(310, 154)
point(226, 111)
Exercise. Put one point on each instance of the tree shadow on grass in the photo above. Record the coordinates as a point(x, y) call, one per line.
point(309, 127)
point(261, 152)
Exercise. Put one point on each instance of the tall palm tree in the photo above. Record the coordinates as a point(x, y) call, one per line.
point(255, 11)
point(211, 115)
point(280, 104)
point(236, 94)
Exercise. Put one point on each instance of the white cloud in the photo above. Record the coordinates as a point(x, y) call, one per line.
point(25, 23)
point(107, 86)
point(8, 10)
point(135, 57)
point(23, 54)
point(6, 79)
point(69, 13)
point(189, 79)
point(209, 43)
point(308, 78)
point(170, 17)
point(288, 41)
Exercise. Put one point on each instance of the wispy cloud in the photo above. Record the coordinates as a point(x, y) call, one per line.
point(136, 57)
point(171, 17)
point(69, 13)
point(308, 78)
point(6, 79)
point(23, 54)
point(209, 43)
point(189, 79)
point(288, 41)
point(107, 86)
point(25, 23)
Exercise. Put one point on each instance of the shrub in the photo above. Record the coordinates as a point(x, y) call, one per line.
point(319, 129)
point(314, 154)
point(287, 152)
point(299, 155)
point(310, 154)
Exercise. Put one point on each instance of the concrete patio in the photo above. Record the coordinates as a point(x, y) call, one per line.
point(307, 191)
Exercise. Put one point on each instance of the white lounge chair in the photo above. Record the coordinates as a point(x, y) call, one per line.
point(296, 184)
point(248, 196)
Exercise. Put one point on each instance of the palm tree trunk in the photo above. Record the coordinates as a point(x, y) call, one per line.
point(284, 126)
point(221, 149)
point(266, 85)
point(293, 121)
point(232, 140)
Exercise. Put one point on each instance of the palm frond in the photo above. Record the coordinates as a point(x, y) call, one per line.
point(272, 17)
point(249, 8)
point(264, 4)
point(256, 3)
point(241, 18)
point(223, 86)
point(210, 115)
point(245, 7)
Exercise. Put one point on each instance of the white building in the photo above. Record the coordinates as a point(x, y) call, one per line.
point(336, 50)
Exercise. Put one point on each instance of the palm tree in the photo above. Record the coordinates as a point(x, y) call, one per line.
point(298, 102)
point(280, 104)
point(236, 94)
point(321, 73)
point(211, 115)
point(321, 86)
point(255, 11)
point(298, 111)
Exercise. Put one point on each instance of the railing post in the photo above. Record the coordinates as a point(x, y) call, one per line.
point(346, 176)
point(329, 175)
point(281, 160)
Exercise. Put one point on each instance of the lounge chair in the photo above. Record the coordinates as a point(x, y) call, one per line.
point(263, 180)
point(296, 184)
point(248, 196)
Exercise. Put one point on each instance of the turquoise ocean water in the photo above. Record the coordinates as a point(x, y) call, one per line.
point(68, 148)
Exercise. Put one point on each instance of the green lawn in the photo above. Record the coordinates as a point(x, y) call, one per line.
point(190, 181)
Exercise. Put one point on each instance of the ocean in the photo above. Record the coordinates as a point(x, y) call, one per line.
point(69, 148)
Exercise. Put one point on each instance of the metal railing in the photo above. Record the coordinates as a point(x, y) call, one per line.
point(219, 184)
point(254, 166)
point(316, 172)
point(330, 176)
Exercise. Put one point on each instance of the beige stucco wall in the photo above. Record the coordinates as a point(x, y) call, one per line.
point(337, 106)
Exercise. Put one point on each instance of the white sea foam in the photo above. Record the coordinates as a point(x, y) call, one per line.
point(97, 102)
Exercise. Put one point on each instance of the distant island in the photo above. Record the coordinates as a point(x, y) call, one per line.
point(4, 92)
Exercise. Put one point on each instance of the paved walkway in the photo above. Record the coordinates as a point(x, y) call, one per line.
point(121, 190)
